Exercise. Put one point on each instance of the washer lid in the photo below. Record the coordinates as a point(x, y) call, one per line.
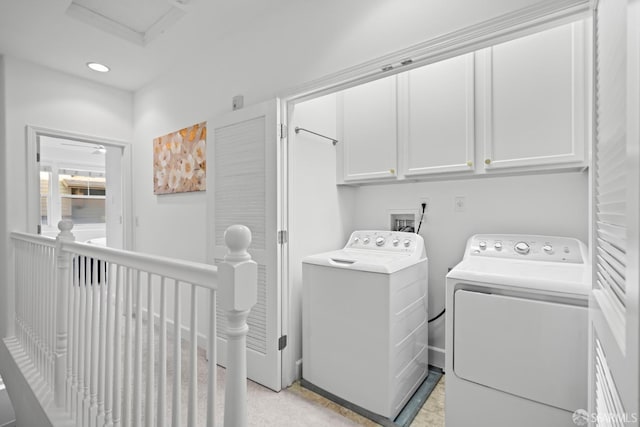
point(543, 276)
point(364, 260)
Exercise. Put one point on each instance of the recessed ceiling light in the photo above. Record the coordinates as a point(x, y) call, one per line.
point(96, 66)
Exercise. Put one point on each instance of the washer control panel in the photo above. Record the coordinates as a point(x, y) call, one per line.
point(531, 247)
point(396, 241)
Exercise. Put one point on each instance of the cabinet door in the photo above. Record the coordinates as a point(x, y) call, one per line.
point(534, 111)
point(367, 131)
point(436, 117)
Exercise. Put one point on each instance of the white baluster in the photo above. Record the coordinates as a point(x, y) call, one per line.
point(117, 364)
point(95, 342)
point(86, 401)
point(105, 303)
point(238, 278)
point(193, 363)
point(177, 360)
point(162, 357)
point(63, 276)
point(126, 410)
point(82, 339)
point(137, 372)
point(110, 342)
point(148, 419)
point(77, 337)
point(211, 362)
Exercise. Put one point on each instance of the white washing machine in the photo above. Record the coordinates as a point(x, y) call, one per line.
point(365, 320)
point(516, 332)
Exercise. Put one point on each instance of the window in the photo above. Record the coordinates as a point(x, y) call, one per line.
point(82, 198)
point(78, 196)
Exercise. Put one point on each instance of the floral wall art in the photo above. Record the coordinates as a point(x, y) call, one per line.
point(180, 161)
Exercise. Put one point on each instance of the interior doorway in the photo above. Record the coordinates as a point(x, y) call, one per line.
point(79, 178)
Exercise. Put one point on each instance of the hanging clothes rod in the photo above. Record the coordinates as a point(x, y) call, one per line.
point(298, 129)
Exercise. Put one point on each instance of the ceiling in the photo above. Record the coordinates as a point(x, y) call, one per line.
point(137, 39)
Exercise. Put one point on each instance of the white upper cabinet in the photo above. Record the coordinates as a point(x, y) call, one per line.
point(516, 107)
point(436, 117)
point(533, 108)
point(367, 131)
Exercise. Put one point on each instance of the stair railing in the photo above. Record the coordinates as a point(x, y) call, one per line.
point(96, 324)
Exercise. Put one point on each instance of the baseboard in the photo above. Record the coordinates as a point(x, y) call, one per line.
point(298, 369)
point(436, 357)
point(184, 331)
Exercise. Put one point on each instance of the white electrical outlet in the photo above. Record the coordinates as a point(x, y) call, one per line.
point(459, 203)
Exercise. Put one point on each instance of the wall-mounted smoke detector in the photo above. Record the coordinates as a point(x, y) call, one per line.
point(139, 21)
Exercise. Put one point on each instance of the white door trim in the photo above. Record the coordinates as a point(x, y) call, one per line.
point(33, 134)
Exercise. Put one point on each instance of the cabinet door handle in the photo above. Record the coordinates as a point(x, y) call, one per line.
point(470, 163)
point(392, 171)
point(487, 161)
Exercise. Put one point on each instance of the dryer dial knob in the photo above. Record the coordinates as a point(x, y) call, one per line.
point(548, 249)
point(396, 242)
point(356, 240)
point(522, 248)
point(380, 241)
point(365, 240)
point(482, 244)
point(498, 246)
point(407, 243)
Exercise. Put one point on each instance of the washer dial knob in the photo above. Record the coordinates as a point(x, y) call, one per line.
point(356, 240)
point(380, 241)
point(498, 246)
point(396, 242)
point(365, 240)
point(483, 245)
point(407, 243)
point(522, 248)
point(548, 249)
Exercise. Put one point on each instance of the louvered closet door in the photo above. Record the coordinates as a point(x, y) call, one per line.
point(241, 161)
point(614, 323)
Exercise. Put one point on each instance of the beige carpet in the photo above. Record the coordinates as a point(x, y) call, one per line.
point(297, 406)
point(294, 406)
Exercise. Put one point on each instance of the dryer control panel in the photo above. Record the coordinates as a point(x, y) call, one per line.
point(394, 241)
point(530, 247)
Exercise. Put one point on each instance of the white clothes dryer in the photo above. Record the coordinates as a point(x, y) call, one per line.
point(516, 332)
point(364, 316)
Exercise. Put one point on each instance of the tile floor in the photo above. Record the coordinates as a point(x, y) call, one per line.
point(431, 414)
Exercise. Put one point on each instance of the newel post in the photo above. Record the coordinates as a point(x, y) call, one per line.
point(238, 278)
point(62, 286)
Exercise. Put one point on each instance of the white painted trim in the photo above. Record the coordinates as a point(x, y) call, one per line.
point(33, 134)
point(436, 356)
point(500, 29)
point(202, 339)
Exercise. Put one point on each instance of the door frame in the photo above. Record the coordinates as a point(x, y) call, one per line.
point(500, 29)
point(33, 134)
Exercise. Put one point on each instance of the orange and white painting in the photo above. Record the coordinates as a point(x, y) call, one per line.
point(180, 161)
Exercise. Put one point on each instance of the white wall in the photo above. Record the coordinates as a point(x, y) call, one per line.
point(544, 204)
point(41, 97)
point(320, 213)
point(272, 53)
point(269, 55)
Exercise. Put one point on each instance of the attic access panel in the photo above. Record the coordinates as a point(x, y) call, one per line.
point(138, 21)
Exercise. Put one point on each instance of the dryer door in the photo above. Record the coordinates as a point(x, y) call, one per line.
point(529, 348)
